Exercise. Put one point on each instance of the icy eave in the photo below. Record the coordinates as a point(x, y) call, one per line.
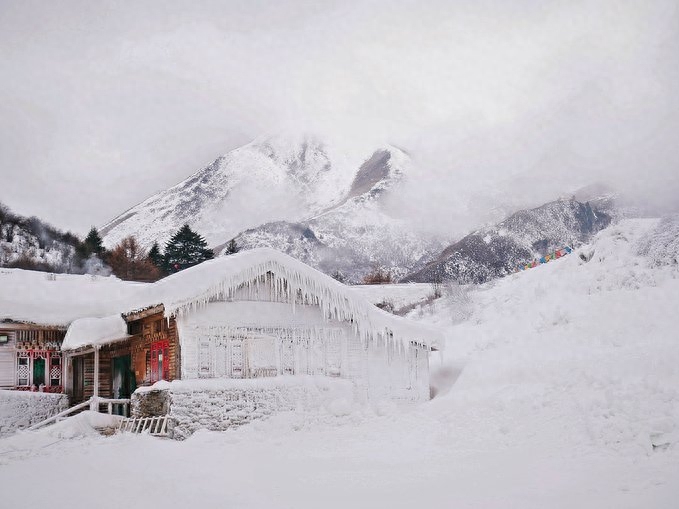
point(221, 278)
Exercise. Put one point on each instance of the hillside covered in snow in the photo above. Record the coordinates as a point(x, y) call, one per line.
point(497, 250)
point(558, 387)
point(28, 242)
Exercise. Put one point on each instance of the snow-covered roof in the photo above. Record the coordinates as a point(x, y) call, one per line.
point(58, 299)
point(221, 278)
point(61, 299)
point(95, 331)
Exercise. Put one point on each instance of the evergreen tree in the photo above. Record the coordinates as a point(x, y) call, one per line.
point(155, 255)
point(185, 249)
point(231, 247)
point(93, 243)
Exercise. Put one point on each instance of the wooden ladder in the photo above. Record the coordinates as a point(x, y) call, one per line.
point(155, 426)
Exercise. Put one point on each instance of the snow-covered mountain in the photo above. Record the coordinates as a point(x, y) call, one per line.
point(497, 250)
point(28, 242)
point(269, 179)
point(302, 196)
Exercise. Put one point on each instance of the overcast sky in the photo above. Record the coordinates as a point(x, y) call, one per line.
point(103, 103)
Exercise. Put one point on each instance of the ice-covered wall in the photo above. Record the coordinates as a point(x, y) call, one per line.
point(21, 409)
point(255, 338)
point(220, 404)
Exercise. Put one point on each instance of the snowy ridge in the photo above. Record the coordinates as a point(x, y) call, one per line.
point(495, 251)
point(304, 196)
point(271, 178)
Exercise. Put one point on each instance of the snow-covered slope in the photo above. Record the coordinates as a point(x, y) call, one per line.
point(581, 355)
point(497, 250)
point(31, 243)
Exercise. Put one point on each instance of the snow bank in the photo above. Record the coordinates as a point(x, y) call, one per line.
point(21, 409)
point(220, 404)
point(661, 244)
point(95, 331)
point(580, 352)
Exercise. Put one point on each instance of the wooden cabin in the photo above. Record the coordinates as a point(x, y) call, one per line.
point(255, 314)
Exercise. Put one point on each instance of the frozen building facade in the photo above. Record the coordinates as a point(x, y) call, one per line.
point(258, 314)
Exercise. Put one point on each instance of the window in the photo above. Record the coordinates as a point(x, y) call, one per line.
point(55, 370)
point(134, 328)
point(4, 338)
point(23, 371)
point(39, 368)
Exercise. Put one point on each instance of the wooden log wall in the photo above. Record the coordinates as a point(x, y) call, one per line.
point(148, 330)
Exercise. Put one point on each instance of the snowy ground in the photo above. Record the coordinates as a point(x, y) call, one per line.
point(565, 394)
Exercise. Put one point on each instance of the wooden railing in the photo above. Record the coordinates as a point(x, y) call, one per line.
point(60, 415)
point(94, 404)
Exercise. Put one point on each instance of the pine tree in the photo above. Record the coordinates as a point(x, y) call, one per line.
point(93, 243)
point(231, 247)
point(155, 255)
point(185, 249)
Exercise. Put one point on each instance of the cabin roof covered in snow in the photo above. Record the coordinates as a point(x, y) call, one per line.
point(60, 299)
point(220, 279)
point(95, 331)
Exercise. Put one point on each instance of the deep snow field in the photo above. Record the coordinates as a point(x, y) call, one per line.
point(558, 388)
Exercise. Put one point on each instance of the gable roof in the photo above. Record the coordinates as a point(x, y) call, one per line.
point(217, 279)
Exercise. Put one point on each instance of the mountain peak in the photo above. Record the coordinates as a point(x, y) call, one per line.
point(281, 177)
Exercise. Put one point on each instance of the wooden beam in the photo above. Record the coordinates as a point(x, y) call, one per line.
point(138, 315)
point(95, 397)
point(9, 326)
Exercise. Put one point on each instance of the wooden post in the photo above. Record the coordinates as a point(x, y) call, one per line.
point(95, 396)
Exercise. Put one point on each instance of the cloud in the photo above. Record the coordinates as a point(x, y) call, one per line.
point(501, 104)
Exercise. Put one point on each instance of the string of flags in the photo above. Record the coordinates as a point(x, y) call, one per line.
point(545, 259)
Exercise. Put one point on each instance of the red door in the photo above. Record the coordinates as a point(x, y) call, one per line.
point(160, 361)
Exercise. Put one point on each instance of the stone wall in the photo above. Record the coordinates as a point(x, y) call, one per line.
point(219, 404)
point(21, 409)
